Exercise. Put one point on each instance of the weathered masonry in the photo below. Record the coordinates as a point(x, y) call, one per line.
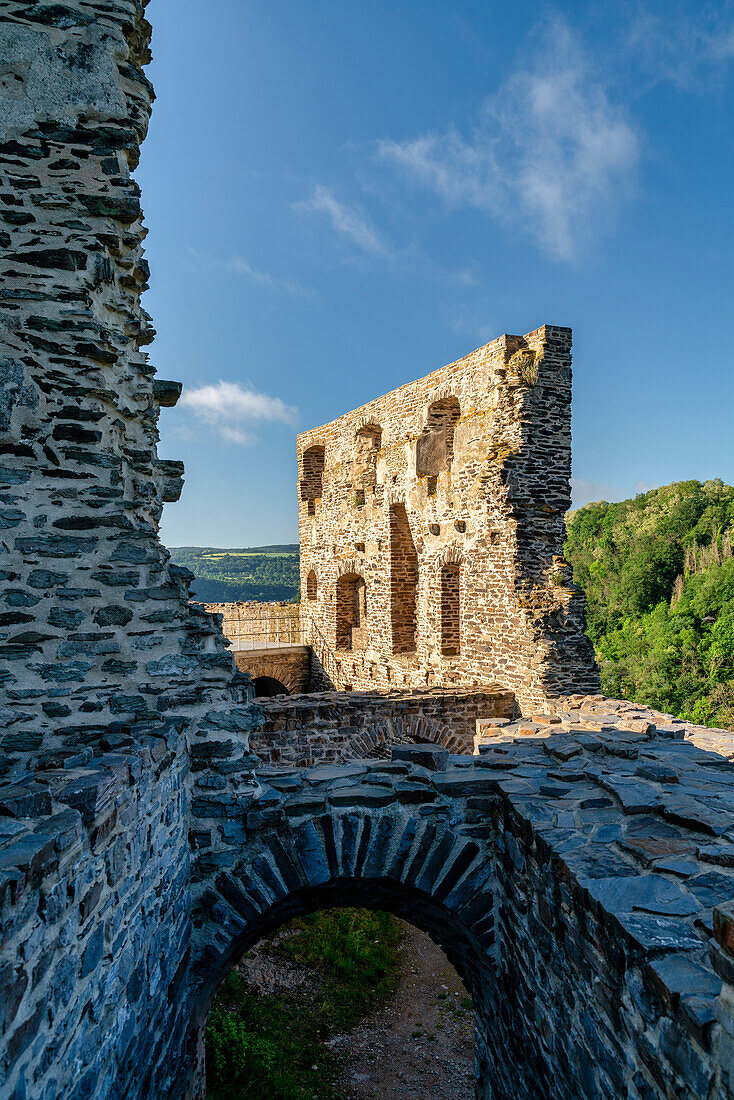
point(431, 529)
point(578, 870)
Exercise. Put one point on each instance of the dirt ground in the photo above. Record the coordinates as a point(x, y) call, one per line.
point(420, 1046)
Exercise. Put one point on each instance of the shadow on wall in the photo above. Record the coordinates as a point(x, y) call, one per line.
point(267, 687)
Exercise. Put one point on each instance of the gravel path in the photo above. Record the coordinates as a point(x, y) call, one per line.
point(421, 1045)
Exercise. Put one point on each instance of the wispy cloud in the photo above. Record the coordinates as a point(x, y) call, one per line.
point(230, 408)
point(681, 48)
point(239, 266)
point(346, 220)
point(588, 492)
point(473, 322)
point(550, 152)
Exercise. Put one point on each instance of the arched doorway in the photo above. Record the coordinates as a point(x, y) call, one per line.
point(367, 859)
point(267, 686)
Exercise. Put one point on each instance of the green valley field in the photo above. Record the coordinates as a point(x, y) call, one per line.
point(252, 573)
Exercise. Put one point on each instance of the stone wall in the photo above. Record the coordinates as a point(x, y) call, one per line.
point(308, 730)
point(254, 625)
point(288, 665)
point(446, 498)
point(101, 652)
point(579, 875)
point(96, 914)
point(97, 630)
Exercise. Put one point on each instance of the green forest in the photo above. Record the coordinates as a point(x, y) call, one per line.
point(658, 573)
point(252, 573)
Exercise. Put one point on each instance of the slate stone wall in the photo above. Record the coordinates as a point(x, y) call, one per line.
point(579, 875)
point(466, 469)
point(97, 632)
point(95, 924)
point(308, 730)
point(100, 652)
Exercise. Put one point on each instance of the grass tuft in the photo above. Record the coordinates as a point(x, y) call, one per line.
point(272, 1047)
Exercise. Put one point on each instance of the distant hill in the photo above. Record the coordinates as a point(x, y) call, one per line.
point(658, 574)
point(249, 573)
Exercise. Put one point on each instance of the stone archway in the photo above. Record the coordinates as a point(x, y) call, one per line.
point(382, 733)
point(288, 665)
point(266, 687)
point(363, 856)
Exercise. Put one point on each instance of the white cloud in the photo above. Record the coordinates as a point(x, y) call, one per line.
point(240, 266)
point(679, 48)
point(228, 407)
point(551, 150)
point(346, 221)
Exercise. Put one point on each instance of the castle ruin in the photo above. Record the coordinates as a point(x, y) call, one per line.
point(431, 526)
point(578, 870)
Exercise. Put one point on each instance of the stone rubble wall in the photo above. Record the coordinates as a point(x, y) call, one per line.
point(267, 622)
point(100, 650)
point(95, 925)
point(579, 876)
point(494, 506)
point(97, 630)
point(309, 730)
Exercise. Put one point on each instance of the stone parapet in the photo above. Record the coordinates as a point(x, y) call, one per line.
point(332, 726)
point(580, 880)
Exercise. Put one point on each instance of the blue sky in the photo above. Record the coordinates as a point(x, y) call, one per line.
point(342, 197)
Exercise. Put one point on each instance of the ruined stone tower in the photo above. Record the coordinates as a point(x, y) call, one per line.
point(431, 526)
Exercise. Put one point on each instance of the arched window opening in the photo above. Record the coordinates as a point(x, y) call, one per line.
point(267, 687)
point(435, 446)
point(351, 612)
point(312, 586)
point(403, 581)
point(312, 472)
point(451, 609)
point(367, 443)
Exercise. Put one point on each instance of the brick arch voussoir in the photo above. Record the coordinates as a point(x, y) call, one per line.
point(350, 567)
point(382, 733)
point(263, 666)
point(450, 555)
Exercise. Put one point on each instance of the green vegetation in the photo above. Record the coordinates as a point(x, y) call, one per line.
point(267, 1047)
point(658, 573)
point(257, 573)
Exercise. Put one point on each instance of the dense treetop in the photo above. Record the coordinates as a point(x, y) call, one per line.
point(658, 574)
